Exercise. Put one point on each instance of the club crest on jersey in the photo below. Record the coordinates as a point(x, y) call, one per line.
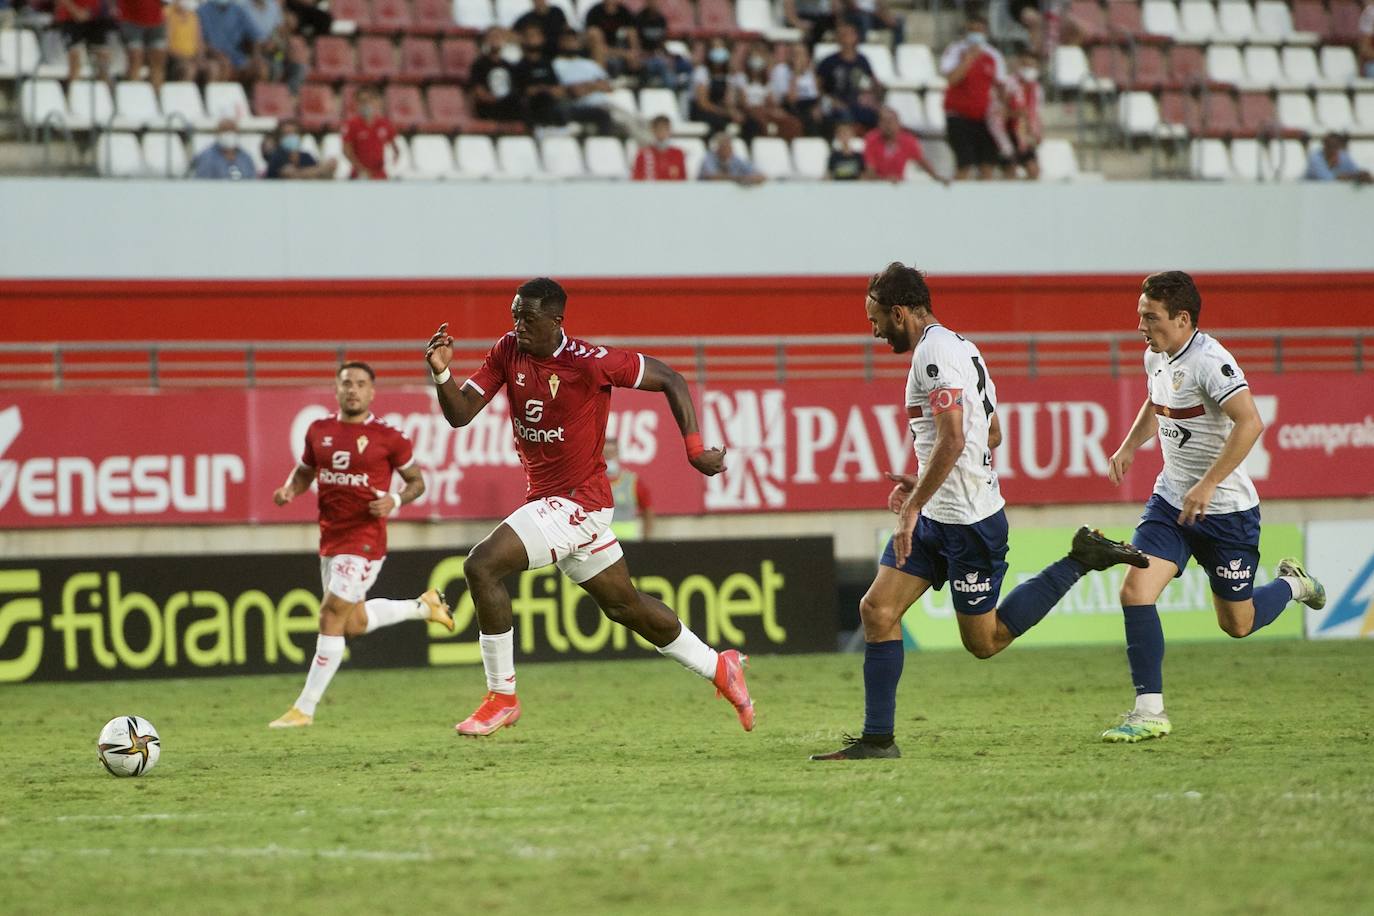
point(362, 444)
point(553, 386)
point(519, 378)
point(1227, 371)
point(327, 442)
point(1177, 380)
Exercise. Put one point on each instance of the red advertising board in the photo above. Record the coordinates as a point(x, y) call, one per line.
point(216, 456)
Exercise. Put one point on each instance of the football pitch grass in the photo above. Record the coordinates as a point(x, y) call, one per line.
point(627, 788)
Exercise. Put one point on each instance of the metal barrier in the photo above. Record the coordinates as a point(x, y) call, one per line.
point(188, 364)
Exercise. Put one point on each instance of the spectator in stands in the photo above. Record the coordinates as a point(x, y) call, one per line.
point(714, 99)
point(847, 81)
point(846, 155)
point(288, 160)
point(367, 135)
point(185, 46)
point(143, 28)
point(272, 47)
point(1332, 162)
point(1024, 97)
point(232, 41)
point(85, 22)
point(973, 69)
point(306, 19)
point(493, 82)
point(868, 15)
point(888, 148)
point(721, 163)
point(1027, 13)
point(1364, 43)
point(225, 160)
point(813, 17)
point(763, 108)
point(549, 19)
point(660, 160)
point(794, 81)
point(536, 83)
point(613, 37)
point(658, 65)
point(586, 86)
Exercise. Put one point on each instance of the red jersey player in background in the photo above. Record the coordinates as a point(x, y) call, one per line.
point(352, 455)
point(560, 394)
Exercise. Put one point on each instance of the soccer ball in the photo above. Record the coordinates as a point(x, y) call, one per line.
point(129, 746)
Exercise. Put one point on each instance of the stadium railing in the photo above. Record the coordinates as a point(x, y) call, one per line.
point(194, 363)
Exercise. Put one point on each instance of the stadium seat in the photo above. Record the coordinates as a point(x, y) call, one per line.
point(757, 16)
point(1334, 112)
point(518, 157)
point(358, 12)
point(252, 145)
point(135, 106)
point(1071, 73)
point(693, 152)
point(118, 155)
point(916, 68)
point(273, 100)
point(1149, 69)
point(1364, 111)
point(183, 107)
point(654, 102)
point(625, 100)
point(1174, 113)
point(1257, 113)
point(811, 157)
point(1295, 111)
point(606, 158)
point(1249, 160)
point(1091, 20)
point(880, 59)
point(164, 154)
point(376, 59)
point(1274, 21)
point(1310, 16)
point(507, 11)
point(1210, 161)
point(331, 147)
point(390, 16)
point(433, 17)
point(89, 104)
point(474, 14)
point(457, 56)
point(475, 157)
point(1137, 114)
point(228, 100)
point(1218, 115)
point(1124, 20)
point(1236, 21)
point(419, 61)
point(1289, 159)
point(908, 107)
point(823, 50)
point(1300, 68)
point(1262, 69)
point(772, 157)
point(1362, 151)
point(1224, 65)
point(1110, 64)
point(431, 157)
point(398, 161)
point(448, 112)
point(1160, 17)
point(20, 53)
point(1339, 67)
point(1187, 67)
point(1058, 162)
point(1198, 21)
point(561, 155)
point(1345, 22)
point(716, 17)
point(679, 13)
point(935, 112)
point(404, 108)
point(319, 108)
point(334, 60)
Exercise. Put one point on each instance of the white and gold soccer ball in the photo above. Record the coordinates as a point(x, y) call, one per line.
point(129, 746)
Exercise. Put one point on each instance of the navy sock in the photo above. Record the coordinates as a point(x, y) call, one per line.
point(1145, 647)
point(1270, 600)
point(1029, 602)
point(882, 670)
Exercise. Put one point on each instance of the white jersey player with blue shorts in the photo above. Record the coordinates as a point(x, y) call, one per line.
point(1204, 505)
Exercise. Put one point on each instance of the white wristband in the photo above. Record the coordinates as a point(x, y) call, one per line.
point(441, 377)
point(397, 497)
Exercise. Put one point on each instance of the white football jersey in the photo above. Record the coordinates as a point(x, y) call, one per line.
point(1186, 392)
point(944, 360)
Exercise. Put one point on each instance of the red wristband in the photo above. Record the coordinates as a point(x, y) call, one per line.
point(693, 443)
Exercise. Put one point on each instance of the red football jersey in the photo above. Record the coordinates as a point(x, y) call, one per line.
point(558, 409)
point(370, 140)
point(351, 461)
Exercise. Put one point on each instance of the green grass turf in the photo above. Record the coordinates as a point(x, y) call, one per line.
point(628, 788)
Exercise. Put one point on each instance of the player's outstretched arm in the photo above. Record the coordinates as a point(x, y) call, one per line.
point(659, 376)
point(300, 480)
point(458, 402)
point(1142, 431)
point(1241, 408)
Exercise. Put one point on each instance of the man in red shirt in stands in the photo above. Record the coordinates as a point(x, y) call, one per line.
point(559, 392)
point(974, 69)
point(888, 148)
point(85, 22)
point(366, 136)
point(661, 161)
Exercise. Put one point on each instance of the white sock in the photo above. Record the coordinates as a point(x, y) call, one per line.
point(1295, 586)
point(498, 658)
point(329, 652)
point(1149, 704)
point(691, 653)
point(383, 612)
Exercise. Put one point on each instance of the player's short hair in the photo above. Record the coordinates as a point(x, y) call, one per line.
point(900, 285)
point(1176, 290)
point(357, 364)
point(551, 297)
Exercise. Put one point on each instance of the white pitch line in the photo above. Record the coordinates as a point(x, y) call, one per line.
point(271, 851)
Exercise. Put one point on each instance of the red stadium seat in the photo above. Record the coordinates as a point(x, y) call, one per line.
point(1149, 69)
point(433, 17)
point(1257, 112)
point(1187, 67)
point(333, 59)
point(716, 17)
point(319, 108)
point(419, 61)
point(1091, 20)
point(376, 59)
point(1173, 107)
point(390, 16)
point(1345, 22)
point(355, 11)
point(273, 100)
point(404, 108)
point(1123, 21)
point(1310, 16)
point(457, 55)
point(449, 114)
point(1215, 115)
point(682, 19)
point(1110, 62)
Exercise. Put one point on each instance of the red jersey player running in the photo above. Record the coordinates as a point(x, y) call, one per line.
point(353, 454)
point(560, 393)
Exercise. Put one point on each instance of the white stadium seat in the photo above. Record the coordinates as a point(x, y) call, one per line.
point(165, 155)
point(693, 151)
point(606, 158)
point(1262, 68)
point(1334, 112)
point(811, 157)
point(1237, 22)
point(1224, 64)
point(1300, 67)
point(19, 53)
point(475, 156)
point(518, 157)
point(39, 99)
point(398, 160)
point(757, 16)
point(431, 157)
point(1198, 21)
point(1137, 113)
point(1362, 151)
point(1289, 159)
point(1364, 111)
point(1058, 161)
point(89, 103)
point(1295, 111)
point(507, 11)
point(1160, 17)
point(908, 107)
point(1210, 161)
point(562, 157)
point(772, 157)
point(935, 111)
point(228, 100)
point(474, 14)
point(1247, 161)
point(654, 102)
point(1072, 74)
point(624, 99)
point(118, 155)
point(331, 147)
point(1274, 22)
point(1339, 67)
point(182, 106)
point(916, 68)
point(135, 105)
point(880, 59)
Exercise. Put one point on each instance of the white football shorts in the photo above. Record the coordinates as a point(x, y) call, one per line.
point(557, 530)
point(348, 576)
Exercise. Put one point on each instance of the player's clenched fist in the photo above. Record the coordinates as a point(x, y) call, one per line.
point(1119, 464)
point(439, 351)
point(282, 496)
point(710, 462)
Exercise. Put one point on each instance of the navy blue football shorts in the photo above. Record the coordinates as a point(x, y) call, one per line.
point(1226, 546)
point(972, 558)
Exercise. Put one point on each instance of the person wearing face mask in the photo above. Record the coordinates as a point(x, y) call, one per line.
point(289, 161)
point(714, 100)
point(634, 514)
point(367, 135)
point(185, 47)
point(763, 109)
point(493, 81)
point(1024, 99)
point(846, 155)
point(660, 160)
point(225, 160)
point(974, 70)
point(658, 65)
point(586, 86)
point(232, 42)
